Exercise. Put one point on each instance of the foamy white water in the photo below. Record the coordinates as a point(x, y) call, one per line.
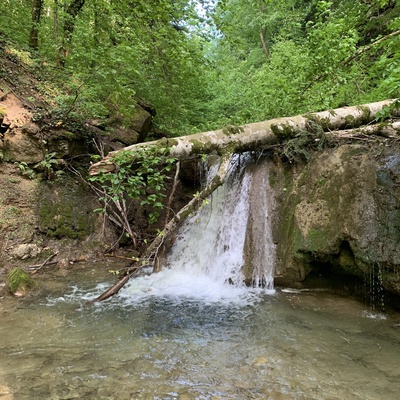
point(207, 258)
point(178, 286)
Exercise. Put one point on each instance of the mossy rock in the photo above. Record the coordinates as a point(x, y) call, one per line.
point(64, 210)
point(19, 281)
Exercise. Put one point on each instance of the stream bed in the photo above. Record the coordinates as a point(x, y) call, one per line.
point(164, 338)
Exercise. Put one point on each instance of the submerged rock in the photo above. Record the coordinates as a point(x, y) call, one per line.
point(5, 393)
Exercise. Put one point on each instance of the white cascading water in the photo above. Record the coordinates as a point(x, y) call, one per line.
point(207, 257)
point(212, 241)
point(261, 255)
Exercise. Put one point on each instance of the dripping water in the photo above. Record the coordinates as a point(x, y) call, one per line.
point(374, 293)
point(377, 297)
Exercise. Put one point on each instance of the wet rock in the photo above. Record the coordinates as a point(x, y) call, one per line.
point(65, 264)
point(190, 173)
point(342, 214)
point(25, 251)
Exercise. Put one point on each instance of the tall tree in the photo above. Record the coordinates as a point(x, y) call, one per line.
point(71, 12)
point(318, 56)
point(37, 7)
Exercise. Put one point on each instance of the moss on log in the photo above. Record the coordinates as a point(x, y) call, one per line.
point(255, 136)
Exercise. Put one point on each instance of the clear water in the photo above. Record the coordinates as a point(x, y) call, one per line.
point(194, 331)
point(159, 342)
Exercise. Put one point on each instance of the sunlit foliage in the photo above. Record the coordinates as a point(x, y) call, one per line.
point(204, 64)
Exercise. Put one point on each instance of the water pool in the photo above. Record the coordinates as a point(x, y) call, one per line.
point(154, 343)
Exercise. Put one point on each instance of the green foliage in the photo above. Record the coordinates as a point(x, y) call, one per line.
point(25, 169)
point(13, 20)
point(120, 49)
point(139, 175)
point(320, 55)
point(237, 62)
point(388, 111)
point(386, 69)
point(47, 165)
point(19, 280)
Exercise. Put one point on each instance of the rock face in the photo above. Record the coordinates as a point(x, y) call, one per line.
point(25, 141)
point(341, 213)
point(113, 136)
point(39, 218)
point(43, 209)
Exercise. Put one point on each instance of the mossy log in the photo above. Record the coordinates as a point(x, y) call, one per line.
point(386, 130)
point(255, 136)
point(346, 121)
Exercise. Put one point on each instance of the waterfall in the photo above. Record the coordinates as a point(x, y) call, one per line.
point(226, 244)
point(214, 241)
point(259, 245)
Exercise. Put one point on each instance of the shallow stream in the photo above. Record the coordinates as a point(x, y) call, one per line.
point(194, 331)
point(165, 338)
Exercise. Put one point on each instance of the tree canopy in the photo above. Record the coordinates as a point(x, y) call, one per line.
point(204, 64)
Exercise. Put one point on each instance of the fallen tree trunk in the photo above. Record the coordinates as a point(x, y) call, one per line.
point(114, 289)
point(348, 122)
point(152, 250)
point(391, 130)
point(254, 137)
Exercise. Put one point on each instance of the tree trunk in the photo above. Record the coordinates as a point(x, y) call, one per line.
point(37, 7)
point(255, 136)
point(69, 25)
point(264, 45)
point(55, 32)
point(347, 123)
